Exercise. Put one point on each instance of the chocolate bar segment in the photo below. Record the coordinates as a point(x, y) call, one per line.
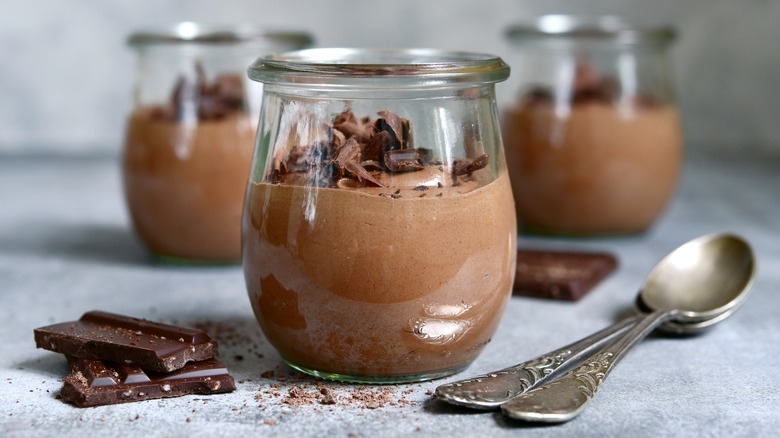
point(560, 275)
point(132, 341)
point(96, 383)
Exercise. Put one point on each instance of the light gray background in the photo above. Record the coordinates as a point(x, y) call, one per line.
point(66, 73)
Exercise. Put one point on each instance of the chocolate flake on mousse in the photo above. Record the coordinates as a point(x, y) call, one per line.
point(358, 152)
point(588, 86)
point(212, 100)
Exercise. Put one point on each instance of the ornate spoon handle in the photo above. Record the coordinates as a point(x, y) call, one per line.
point(566, 397)
point(489, 391)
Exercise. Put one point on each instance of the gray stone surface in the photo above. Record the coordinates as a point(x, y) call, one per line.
point(66, 247)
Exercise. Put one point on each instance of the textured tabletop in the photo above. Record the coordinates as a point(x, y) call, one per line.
point(66, 247)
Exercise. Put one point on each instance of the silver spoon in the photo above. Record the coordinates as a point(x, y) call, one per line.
point(697, 285)
point(491, 390)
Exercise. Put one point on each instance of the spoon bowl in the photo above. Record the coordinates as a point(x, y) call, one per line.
point(701, 279)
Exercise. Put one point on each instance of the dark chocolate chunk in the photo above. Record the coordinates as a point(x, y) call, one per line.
point(467, 167)
point(560, 275)
point(390, 123)
point(403, 160)
point(96, 383)
point(132, 341)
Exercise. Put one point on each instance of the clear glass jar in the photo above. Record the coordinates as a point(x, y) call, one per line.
point(593, 137)
point(190, 137)
point(379, 235)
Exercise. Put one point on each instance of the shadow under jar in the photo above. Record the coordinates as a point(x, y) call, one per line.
point(379, 235)
point(593, 137)
point(190, 137)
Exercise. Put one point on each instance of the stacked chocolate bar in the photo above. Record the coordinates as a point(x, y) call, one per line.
point(118, 359)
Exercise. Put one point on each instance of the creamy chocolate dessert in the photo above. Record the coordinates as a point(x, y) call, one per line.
point(186, 167)
point(599, 164)
point(369, 258)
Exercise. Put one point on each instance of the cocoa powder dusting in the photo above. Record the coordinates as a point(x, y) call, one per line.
point(296, 390)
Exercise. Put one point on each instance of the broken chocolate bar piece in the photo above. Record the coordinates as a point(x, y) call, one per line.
point(560, 275)
point(132, 341)
point(96, 383)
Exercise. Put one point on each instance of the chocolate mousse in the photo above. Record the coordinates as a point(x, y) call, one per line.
point(599, 162)
point(185, 170)
point(368, 258)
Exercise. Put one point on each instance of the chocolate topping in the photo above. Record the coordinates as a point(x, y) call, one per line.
point(358, 152)
point(588, 86)
point(212, 100)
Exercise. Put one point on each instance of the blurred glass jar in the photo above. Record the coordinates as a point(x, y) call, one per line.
point(379, 233)
point(593, 136)
point(190, 137)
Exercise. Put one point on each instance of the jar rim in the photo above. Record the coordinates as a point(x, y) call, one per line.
point(345, 66)
point(189, 32)
point(602, 27)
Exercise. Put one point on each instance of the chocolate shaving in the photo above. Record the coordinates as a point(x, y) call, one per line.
point(375, 149)
point(588, 86)
point(347, 162)
point(356, 151)
point(348, 124)
point(467, 167)
point(391, 123)
point(199, 97)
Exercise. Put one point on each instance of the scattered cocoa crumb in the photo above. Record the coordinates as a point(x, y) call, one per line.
point(312, 392)
point(270, 422)
point(327, 397)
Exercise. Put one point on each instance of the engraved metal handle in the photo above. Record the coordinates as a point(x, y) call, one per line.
point(568, 396)
point(491, 390)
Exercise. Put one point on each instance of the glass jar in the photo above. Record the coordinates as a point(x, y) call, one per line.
point(190, 137)
point(593, 136)
point(379, 235)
